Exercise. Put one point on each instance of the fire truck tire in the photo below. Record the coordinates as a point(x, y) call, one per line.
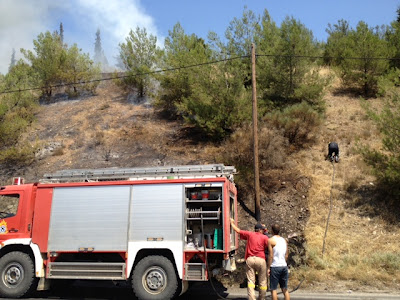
point(17, 274)
point(154, 278)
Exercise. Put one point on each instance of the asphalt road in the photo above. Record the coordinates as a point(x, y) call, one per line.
point(199, 291)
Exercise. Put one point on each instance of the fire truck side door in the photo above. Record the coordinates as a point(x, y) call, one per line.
point(11, 222)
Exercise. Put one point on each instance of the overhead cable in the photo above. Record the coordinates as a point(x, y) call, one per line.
point(125, 76)
point(196, 65)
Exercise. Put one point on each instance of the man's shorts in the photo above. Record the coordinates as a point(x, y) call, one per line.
point(278, 275)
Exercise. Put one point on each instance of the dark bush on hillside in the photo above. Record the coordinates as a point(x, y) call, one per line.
point(298, 123)
point(311, 91)
point(17, 155)
point(239, 150)
point(389, 82)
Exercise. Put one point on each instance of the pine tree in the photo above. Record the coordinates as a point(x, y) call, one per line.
point(78, 72)
point(337, 47)
point(61, 33)
point(53, 63)
point(393, 38)
point(97, 48)
point(48, 60)
point(240, 35)
point(294, 76)
point(99, 57)
point(139, 55)
point(358, 55)
point(13, 60)
point(211, 97)
point(398, 14)
point(180, 49)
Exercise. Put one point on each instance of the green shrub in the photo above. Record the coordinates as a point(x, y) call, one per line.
point(11, 128)
point(385, 162)
point(239, 150)
point(298, 122)
point(314, 259)
point(388, 261)
point(16, 113)
point(349, 260)
point(312, 90)
point(17, 155)
point(388, 82)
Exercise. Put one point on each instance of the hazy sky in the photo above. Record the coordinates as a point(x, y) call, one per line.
point(21, 21)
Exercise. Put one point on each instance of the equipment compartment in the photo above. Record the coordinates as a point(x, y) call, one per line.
point(203, 217)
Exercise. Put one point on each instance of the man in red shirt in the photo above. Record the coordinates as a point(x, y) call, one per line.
point(257, 243)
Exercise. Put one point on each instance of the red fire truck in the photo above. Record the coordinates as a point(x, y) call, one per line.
point(157, 228)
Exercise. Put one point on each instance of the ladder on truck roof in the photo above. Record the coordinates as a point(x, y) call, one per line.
point(164, 172)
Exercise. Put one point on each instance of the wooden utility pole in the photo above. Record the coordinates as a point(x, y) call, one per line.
point(255, 134)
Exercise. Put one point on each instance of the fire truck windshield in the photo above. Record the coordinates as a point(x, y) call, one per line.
point(8, 205)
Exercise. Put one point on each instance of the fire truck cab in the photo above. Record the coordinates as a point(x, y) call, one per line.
point(158, 228)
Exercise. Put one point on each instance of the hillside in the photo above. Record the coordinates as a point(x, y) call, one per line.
point(361, 252)
point(362, 244)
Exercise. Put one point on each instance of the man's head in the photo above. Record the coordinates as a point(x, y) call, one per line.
point(265, 229)
point(259, 227)
point(275, 228)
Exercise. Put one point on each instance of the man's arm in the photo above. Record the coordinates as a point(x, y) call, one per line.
point(287, 250)
point(270, 255)
point(237, 229)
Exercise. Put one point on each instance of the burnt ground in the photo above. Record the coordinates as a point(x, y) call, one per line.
point(283, 201)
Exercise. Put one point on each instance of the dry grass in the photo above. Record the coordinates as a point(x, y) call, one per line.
point(362, 249)
point(108, 131)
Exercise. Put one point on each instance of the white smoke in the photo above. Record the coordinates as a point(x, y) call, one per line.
point(21, 21)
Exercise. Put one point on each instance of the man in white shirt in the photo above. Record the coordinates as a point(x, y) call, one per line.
point(277, 266)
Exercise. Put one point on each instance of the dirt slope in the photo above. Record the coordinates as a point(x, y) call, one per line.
point(363, 235)
point(106, 130)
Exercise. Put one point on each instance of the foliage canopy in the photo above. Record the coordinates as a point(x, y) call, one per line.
point(56, 64)
point(360, 55)
point(139, 56)
point(16, 113)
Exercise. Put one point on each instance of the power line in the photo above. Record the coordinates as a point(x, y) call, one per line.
point(327, 57)
point(126, 76)
point(199, 65)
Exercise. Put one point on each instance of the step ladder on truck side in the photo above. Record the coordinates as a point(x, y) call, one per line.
point(151, 173)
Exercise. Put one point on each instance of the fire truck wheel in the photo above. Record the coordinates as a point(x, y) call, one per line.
point(154, 278)
point(17, 274)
